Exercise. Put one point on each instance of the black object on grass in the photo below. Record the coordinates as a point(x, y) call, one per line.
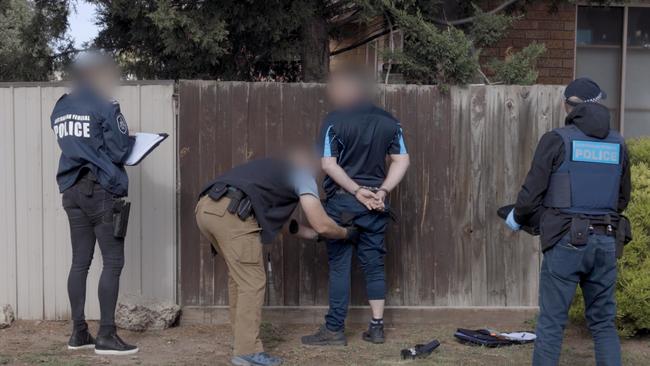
point(420, 350)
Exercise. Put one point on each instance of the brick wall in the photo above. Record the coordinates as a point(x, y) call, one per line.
point(555, 29)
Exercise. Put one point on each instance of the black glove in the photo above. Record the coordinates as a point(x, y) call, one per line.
point(352, 236)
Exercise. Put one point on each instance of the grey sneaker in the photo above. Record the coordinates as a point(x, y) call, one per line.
point(256, 359)
point(374, 334)
point(325, 337)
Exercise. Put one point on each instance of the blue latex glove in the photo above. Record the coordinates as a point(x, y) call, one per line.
point(510, 221)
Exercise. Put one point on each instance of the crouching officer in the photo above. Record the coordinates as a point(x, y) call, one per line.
point(94, 141)
point(580, 179)
point(245, 208)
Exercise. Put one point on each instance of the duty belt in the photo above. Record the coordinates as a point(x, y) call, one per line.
point(601, 229)
point(240, 204)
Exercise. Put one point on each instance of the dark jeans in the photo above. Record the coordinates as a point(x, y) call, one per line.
point(91, 220)
point(370, 252)
point(593, 267)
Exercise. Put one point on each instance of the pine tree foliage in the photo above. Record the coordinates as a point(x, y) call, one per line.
point(32, 38)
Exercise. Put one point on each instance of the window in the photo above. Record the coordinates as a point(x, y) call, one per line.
point(613, 48)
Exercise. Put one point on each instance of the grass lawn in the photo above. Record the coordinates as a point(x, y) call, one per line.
point(43, 343)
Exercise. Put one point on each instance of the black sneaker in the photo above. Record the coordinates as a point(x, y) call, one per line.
point(81, 339)
point(374, 334)
point(113, 345)
point(325, 337)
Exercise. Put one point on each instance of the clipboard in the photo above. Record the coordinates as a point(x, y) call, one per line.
point(143, 145)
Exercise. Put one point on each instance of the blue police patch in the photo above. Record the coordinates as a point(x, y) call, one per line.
point(596, 152)
point(121, 124)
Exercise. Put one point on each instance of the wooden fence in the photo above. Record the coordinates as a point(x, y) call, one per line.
point(35, 251)
point(470, 150)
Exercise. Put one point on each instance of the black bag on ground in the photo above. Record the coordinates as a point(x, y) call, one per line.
point(481, 337)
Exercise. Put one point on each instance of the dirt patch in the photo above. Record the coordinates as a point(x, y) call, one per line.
point(43, 343)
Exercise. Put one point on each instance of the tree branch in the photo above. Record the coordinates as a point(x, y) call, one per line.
point(437, 21)
point(499, 8)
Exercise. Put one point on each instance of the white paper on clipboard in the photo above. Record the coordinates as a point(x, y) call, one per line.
point(143, 145)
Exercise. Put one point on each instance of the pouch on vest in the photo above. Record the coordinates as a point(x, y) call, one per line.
point(579, 230)
point(217, 191)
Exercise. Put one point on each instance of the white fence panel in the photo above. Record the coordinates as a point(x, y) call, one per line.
point(35, 252)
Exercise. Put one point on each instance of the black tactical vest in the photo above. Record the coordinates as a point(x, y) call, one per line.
point(268, 184)
point(589, 179)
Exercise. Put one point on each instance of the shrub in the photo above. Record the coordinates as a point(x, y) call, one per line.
point(432, 55)
point(519, 67)
point(633, 289)
point(487, 29)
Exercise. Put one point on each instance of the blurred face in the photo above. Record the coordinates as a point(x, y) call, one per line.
point(103, 78)
point(344, 91)
point(305, 158)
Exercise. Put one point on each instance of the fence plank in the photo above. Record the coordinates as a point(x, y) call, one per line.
point(479, 193)
point(223, 161)
point(394, 266)
point(56, 244)
point(459, 278)
point(494, 178)
point(158, 203)
point(273, 119)
point(131, 279)
point(29, 202)
point(190, 161)
point(8, 199)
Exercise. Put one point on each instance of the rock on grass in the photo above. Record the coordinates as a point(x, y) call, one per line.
point(138, 313)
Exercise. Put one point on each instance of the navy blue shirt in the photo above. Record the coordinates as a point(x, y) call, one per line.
point(92, 134)
point(360, 138)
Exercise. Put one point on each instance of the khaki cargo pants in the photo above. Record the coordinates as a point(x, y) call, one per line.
point(238, 242)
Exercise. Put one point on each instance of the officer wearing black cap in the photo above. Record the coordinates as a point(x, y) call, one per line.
point(577, 186)
point(94, 140)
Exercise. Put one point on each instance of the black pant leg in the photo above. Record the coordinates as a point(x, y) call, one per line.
point(112, 249)
point(82, 235)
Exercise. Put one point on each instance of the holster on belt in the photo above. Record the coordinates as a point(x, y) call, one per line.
point(617, 225)
point(121, 211)
point(623, 234)
point(236, 197)
point(240, 204)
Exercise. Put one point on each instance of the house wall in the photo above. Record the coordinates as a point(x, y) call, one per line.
point(35, 252)
point(556, 29)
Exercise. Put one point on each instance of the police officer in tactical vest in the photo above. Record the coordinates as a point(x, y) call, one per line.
point(247, 207)
point(94, 140)
point(580, 181)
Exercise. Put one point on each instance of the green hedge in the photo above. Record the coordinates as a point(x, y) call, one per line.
point(633, 290)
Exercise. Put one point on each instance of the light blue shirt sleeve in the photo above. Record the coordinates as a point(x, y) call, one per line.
point(304, 183)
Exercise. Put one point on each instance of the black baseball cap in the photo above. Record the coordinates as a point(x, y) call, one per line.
point(585, 89)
